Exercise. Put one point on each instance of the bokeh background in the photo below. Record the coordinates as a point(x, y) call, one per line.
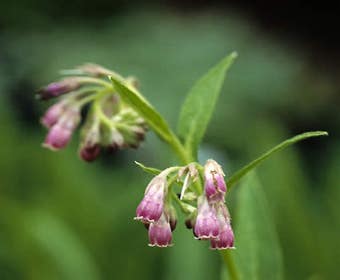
point(61, 218)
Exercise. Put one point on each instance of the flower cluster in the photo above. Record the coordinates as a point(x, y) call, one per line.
point(108, 121)
point(207, 213)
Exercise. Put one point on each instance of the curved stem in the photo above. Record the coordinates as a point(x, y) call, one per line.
point(96, 81)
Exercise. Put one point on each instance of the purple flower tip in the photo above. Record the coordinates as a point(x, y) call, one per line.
point(90, 153)
point(149, 210)
point(214, 186)
point(206, 226)
point(225, 239)
point(57, 138)
point(52, 115)
point(58, 88)
point(151, 207)
point(160, 233)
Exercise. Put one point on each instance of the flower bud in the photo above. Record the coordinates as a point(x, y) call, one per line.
point(57, 137)
point(60, 133)
point(214, 185)
point(131, 126)
point(206, 226)
point(90, 153)
point(117, 139)
point(160, 233)
point(58, 88)
point(52, 114)
point(151, 207)
point(90, 147)
point(133, 136)
point(189, 223)
point(170, 212)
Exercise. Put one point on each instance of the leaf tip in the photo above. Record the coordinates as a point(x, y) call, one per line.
point(138, 163)
point(233, 55)
point(318, 133)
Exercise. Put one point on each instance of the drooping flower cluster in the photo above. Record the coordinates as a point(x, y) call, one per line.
point(210, 220)
point(213, 219)
point(153, 212)
point(108, 121)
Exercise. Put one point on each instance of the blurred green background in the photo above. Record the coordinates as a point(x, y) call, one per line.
point(61, 218)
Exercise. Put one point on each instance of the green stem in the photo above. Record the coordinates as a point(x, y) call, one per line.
point(187, 158)
point(95, 81)
point(179, 149)
point(230, 264)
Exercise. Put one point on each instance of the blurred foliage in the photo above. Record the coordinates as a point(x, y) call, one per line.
point(61, 218)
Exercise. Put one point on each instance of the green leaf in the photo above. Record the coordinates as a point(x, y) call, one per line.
point(151, 170)
point(200, 103)
point(258, 254)
point(243, 171)
point(143, 107)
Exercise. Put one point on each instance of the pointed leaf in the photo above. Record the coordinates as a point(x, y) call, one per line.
point(258, 254)
point(200, 103)
point(143, 107)
point(243, 171)
point(151, 170)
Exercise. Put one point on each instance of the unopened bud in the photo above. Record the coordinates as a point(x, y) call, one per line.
point(57, 138)
point(172, 216)
point(189, 223)
point(53, 114)
point(60, 133)
point(58, 88)
point(214, 185)
point(117, 139)
point(90, 153)
point(90, 147)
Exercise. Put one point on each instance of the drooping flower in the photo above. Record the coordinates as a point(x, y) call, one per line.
point(206, 225)
point(160, 234)
point(53, 114)
point(225, 239)
point(60, 133)
point(58, 88)
point(57, 137)
point(214, 185)
point(90, 153)
point(90, 146)
point(151, 207)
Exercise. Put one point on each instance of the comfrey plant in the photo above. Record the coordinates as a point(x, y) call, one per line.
point(115, 115)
